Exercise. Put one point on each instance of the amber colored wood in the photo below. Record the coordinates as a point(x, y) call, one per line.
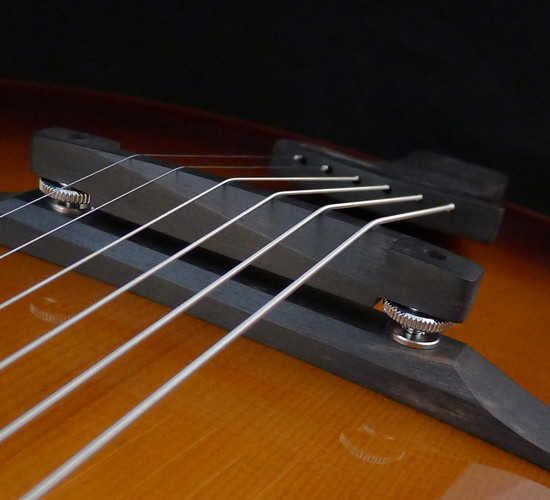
point(254, 423)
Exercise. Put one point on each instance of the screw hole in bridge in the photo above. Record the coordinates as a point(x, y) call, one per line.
point(77, 136)
point(434, 254)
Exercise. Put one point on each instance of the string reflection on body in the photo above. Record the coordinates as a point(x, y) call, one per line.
point(104, 438)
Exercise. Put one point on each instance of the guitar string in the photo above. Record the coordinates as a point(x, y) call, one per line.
point(108, 298)
point(76, 382)
point(103, 205)
point(73, 266)
point(163, 155)
point(103, 169)
point(69, 466)
point(85, 214)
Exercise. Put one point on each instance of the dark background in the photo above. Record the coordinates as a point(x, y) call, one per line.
point(469, 80)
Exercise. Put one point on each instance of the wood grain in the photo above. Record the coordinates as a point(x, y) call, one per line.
point(254, 422)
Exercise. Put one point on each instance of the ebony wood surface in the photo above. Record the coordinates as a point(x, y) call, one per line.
point(373, 268)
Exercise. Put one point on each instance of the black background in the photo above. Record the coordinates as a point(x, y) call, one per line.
point(469, 80)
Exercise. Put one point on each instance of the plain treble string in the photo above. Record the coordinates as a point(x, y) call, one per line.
point(76, 382)
point(137, 230)
point(109, 434)
point(103, 169)
point(150, 155)
point(87, 213)
point(119, 291)
point(123, 195)
point(117, 198)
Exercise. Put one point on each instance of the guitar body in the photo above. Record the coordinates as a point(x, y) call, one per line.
point(254, 422)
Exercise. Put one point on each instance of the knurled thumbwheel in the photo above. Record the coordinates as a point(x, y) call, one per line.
point(414, 329)
point(64, 198)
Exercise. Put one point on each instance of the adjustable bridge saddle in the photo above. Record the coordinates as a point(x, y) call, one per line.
point(476, 191)
point(330, 322)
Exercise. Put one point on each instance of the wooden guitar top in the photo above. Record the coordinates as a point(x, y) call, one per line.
point(254, 423)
